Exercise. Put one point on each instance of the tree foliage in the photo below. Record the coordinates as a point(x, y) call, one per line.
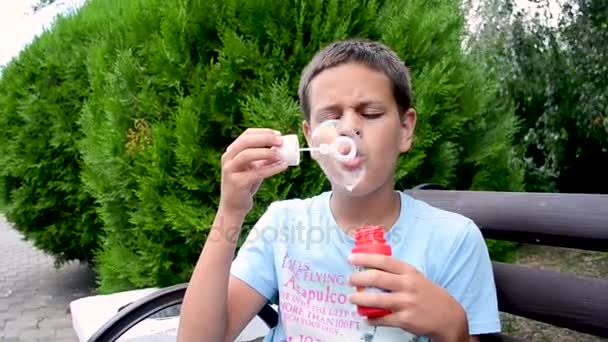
point(556, 74)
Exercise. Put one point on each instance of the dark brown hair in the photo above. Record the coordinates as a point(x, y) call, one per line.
point(371, 53)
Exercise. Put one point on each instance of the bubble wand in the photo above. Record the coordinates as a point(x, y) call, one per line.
point(342, 148)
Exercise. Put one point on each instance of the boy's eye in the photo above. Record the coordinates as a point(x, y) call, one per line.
point(328, 116)
point(372, 115)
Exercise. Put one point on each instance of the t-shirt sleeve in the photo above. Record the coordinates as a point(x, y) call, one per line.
point(469, 278)
point(254, 263)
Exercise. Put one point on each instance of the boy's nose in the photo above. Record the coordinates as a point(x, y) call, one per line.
point(350, 125)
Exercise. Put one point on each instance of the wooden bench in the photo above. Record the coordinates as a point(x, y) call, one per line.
point(565, 220)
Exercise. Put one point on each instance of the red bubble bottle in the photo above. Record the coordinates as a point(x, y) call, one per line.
point(370, 239)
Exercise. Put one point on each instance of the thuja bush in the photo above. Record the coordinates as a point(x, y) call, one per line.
point(42, 93)
point(170, 84)
point(190, 76)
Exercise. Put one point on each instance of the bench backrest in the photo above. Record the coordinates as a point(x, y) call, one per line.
point(564, 220)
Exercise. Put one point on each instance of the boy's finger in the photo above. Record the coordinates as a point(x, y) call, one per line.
point(376, 278)
point(264, 172)
point(261, 163)
point(245, 143)
point(261, 131)
point(247, 157)
point(381, 262)
point(252, 140)
point(375, 300)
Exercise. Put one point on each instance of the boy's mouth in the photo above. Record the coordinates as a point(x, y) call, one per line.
point(354, 163)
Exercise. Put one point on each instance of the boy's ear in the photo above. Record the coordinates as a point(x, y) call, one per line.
point(306, 128)
point(408, 125)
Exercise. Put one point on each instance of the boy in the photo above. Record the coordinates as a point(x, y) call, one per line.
point(439, 279)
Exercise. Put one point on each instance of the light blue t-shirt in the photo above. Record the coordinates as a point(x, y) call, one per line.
point(297, 254)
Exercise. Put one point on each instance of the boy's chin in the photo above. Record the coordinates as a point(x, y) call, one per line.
point(355, 191)
point(365, 187)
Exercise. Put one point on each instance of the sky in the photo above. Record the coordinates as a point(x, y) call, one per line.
point(530, 6)
point(19, 24)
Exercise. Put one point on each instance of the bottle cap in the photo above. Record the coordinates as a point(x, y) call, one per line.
point(289, 151)
point(368, 234)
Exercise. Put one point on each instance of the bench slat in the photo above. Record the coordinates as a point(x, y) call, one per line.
point(564, 220)
point(561, 299)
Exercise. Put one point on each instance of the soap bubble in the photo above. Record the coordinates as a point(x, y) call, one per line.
point(337, 156)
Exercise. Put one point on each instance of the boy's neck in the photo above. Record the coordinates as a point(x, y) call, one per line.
point(381, 207)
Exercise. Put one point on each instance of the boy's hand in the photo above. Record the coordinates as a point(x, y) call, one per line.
point(418, 305)
point(245, 164)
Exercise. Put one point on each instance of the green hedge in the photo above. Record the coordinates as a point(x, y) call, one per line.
point(41, 96)
point(167, 85)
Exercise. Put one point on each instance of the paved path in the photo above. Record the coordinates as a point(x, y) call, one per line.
point(34, 296)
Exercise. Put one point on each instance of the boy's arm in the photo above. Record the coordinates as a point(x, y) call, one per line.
point(468, 277)
point(217, 306)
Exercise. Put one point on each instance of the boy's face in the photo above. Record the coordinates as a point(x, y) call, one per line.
point(362, 100)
